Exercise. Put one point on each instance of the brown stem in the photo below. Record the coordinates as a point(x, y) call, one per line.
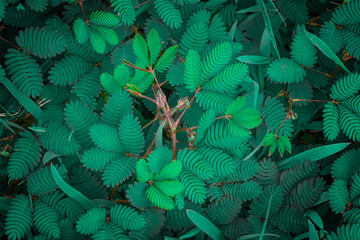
point(18, 48)
point(113, 192)
point(83, 12)
point(182, 114)
point(151, 147)
point(309, 100)
point(277, 131)
point(163, 83)
point(157, 83)
point(195, 127)
point(152, 121)
point(121, 201)
point(226, 116)
point(187, 129)
point(142, 4)
point(326, 74)
point(141, 96)
point(134, 29)
point(133, 66)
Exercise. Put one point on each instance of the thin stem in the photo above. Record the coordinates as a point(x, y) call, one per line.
point(152, 121)
point(18, 48)
point(187, 129)
point(134, 29)
point(277, 131)
point(182, 114)
point(195, 127)
point(141, 96)
point(142, 4)
point(157, 83)
point(226, 116)
point(113, 192)
point(82, 9)
point(309, 100)
point(121, 201)
point(151, 147)
point(326, 74)
point(163, 83)
point(133, 66)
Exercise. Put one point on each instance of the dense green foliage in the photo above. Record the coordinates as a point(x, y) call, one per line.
point(179, 119)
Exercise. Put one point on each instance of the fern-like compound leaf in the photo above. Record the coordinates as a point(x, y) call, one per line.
point(191, 73)
point(346, 87)
point(91, 221)
point(194, 187)
point(331, 121)
point(81, 30)
point(142, 171)
point(167, 58)
point(118, 105)
point(159, 158)
point(105, 19)
point(303, 51)
point(41, 43)
point(68, 70)
point(154, 44)
point(25, 72)
point(58, 138)
point(125, 10)
point(159, 199)
point(338, 196)
point(194, 162)
point(346, 165)
point(131, 135)
point(19, 218)
point(118, 170)
point(285, 70)
point(170, 171)
point(217, 59)
point(97, 41)
point(227, 79)
point(141, 50)
point(206, 120)
point(26, 156)
point(168, 13)
point(46, 220)
point(347, 13)
point(106, 137)
point(97, 159)
point(127, 217)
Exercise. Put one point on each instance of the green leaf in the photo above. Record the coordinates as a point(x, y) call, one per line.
point(142, 171)
point(313, 235)
point(81, 30)
point(98, 42)
point(325, 49)
point(314, 216)
point(23, 100)
point(70, 191)
point(285, 70)
point(48, 156)
point(266, 219)
point(192, 70)
point(204, 225)
point(255, 235)
point(141, 50)
point(268, 26)
point(154, 44)
point(159, 136)
point(166, 59)
point(314, 154)
point(254, 59)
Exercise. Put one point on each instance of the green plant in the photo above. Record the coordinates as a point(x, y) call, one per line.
point(179, 119)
